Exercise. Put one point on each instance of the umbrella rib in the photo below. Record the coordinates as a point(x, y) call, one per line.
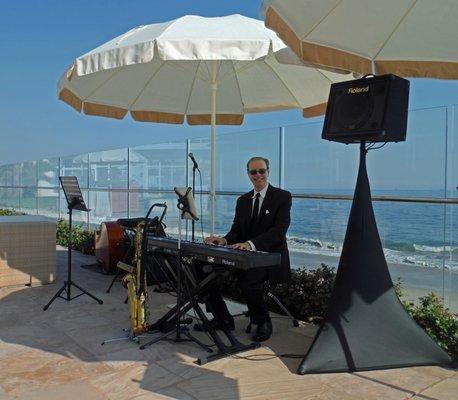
point(395, 29)
point(285, 85)
point(251, 64)
point(99, 86)
point(208, 71)
point(320, 21)
point(238, 86)
point(145, 86)
point(191, 89)
point(178, 64)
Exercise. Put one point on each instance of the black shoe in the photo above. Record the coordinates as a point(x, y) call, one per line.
point(262, 332)
point(214, 323)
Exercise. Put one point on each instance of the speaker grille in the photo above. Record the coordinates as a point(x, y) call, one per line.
point(353, 111)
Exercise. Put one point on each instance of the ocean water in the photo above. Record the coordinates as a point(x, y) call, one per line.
point(418, 234)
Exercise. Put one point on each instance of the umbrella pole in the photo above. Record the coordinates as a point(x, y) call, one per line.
point(214, 88)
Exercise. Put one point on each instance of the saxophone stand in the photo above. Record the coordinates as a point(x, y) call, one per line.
point(186, 211)
point(141, 234)
point(75, 201)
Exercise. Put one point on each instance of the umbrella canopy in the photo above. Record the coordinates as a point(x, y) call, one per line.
point(411, 38)
point(209, 70)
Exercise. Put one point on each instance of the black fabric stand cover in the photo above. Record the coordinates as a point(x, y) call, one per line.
point(366, 327)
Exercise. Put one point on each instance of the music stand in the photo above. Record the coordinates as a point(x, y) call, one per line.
point(75, 201)
point(187, 210)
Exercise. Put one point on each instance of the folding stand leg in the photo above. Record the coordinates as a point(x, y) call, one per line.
point(113, 281)
point(130, 336)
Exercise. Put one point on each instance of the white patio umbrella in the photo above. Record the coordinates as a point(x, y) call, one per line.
point(410, 38)
point(211, 70)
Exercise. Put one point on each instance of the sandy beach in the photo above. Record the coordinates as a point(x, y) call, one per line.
point(416, 280)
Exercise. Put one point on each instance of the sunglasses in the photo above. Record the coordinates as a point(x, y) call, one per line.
point(260, 171)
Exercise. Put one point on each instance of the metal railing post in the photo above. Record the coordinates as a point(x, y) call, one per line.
point(281, 164)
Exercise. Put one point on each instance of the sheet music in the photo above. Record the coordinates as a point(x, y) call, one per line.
point(73, 193)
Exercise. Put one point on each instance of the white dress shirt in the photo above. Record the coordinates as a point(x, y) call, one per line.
point(262, 195)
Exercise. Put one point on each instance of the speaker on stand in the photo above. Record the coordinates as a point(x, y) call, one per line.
point(366, 326)
point(373, 109)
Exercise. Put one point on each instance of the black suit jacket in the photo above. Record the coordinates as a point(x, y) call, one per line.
point(270, 232)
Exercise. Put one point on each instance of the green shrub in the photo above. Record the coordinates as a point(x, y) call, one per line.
point(82, 239)
point(438, 322)
point(305, 296)
point(7, 212)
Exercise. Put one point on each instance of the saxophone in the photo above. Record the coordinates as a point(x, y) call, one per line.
point(135, 282)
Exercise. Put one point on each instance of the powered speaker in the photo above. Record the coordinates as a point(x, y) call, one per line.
point(373, 109)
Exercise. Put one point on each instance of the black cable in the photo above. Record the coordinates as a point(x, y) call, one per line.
point(371, 146)
point(266, 357)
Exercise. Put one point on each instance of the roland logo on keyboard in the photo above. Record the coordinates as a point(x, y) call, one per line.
point(227, 262)
point(355, 90)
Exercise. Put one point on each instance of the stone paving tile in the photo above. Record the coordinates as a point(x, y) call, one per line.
point(358, 387)
point(141, 379)
point(75, 390)
point(409, 380)
point(45, 354)
point(166, 393)
point(447, 389)
point(37, 369)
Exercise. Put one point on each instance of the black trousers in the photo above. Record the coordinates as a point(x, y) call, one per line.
point(251, 285)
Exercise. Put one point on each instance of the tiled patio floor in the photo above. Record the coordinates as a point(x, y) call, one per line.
point(57, 355)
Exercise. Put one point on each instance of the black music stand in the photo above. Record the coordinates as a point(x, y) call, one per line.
point(75, 201)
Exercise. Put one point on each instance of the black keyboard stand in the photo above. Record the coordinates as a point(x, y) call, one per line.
point(191, 301)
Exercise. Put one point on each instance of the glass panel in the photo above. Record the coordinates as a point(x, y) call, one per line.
point(235, 149)
point(48, 172)
point(107, 206)
point(28, 201)
point(48, 202)
point(10, 175)
point(451, 244)
point(108, 169)
point(225, 211)
point(232, 153)
point(140, 202)
point(317, 231)
point(314, 165)
point(76, 166)
point(451, 258)
point(159, 166)
point(200, 148)
point(413, 241)
point(452, 154)
point(4, 174)
point(29, 173)
point(416, 167)
point(9, 198)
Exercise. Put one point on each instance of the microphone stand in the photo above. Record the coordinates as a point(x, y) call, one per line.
point(193, 221)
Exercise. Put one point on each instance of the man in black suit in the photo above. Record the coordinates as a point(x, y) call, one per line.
point(262, 217)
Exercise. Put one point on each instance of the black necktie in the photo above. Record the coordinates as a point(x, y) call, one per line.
point(254, 215)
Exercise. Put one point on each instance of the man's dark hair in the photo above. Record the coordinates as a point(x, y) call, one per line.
point(257, 159)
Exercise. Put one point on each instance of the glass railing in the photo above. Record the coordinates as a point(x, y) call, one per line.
point(414, 188)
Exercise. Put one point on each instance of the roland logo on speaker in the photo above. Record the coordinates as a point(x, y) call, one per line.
point(355, 90)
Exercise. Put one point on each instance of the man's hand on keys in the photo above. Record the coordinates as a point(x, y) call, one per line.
point(220, 241)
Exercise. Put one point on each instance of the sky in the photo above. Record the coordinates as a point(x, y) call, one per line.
point(40, 39)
